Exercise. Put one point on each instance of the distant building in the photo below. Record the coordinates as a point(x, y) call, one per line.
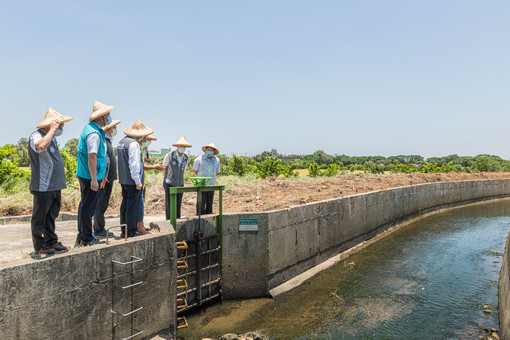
point(284, 159)
point(154, 153)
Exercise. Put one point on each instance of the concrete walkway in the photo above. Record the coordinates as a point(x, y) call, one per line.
point(16, 239)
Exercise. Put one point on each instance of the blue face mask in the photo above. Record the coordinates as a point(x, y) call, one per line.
point(58, 132)
point(209, 153)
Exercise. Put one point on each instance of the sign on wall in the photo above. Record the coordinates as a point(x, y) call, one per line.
point(248, 224)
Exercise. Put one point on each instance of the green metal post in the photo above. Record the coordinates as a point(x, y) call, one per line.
point(220, 229)
point(173, 208)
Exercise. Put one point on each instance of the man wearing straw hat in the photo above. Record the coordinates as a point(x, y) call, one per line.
point(91, 169)
point(46, 182)
point(207, 165)
point(131, 176)
point(105, 189)
point(146, 159)
point(174, 163)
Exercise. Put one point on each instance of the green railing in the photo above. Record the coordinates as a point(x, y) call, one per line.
point(198, 189)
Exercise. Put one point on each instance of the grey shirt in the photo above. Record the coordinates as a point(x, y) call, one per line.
point(47, 167)
point(175, 167)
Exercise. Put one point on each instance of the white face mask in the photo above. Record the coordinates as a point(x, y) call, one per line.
point(113, 132)
point(58, 132)
point(181, 149)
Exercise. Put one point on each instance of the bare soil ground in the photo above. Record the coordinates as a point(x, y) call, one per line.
point(278, 193)
point(251, 195)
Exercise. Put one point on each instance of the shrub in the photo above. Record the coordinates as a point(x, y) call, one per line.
point(70, 164)
point(314, 170)
point(237, 166)
point(9, 167)
point(269, 167)
point(371, 167)
point(288, 170)
point(331, 170)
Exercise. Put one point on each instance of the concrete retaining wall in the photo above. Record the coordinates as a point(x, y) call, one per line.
point(504, 294)
point(69, 296)
point(291, 241)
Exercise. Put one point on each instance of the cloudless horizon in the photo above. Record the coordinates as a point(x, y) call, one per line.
point(347, 77)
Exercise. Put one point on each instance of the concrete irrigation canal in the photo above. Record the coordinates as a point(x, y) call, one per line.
point(436, 277)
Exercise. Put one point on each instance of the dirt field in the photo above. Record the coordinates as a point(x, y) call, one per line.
point(278, 193)
point(245, 194)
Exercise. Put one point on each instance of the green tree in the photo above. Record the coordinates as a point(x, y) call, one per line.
point(72, 147)
point(237, 166)
point(70, 165)
point(8, 165)
point(21, 152)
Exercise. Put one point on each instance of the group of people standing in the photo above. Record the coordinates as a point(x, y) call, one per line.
point(97, 169)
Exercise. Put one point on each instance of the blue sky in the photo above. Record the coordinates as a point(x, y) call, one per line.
point(348, 77)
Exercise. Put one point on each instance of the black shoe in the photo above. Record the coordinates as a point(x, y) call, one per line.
point(45, 250)
point(103, 232)
point(91, 243)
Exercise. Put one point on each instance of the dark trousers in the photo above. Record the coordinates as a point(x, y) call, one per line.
point(129, 208)
point(207, 203)
point(167, 187)
point(102, 204)
point(86, 209)
point(46, 209)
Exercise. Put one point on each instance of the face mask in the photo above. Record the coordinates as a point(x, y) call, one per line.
point(209, 153)
point(146, 144)
point(58, 132)
point(181, 149)
point(113, 132)
point(109, 120)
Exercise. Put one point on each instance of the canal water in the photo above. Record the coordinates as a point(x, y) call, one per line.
point(432, 279)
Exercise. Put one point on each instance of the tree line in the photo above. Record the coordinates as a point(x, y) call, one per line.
point(271, 163)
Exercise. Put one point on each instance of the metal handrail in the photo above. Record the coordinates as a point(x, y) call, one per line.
point(136, 259)
point(116, 226)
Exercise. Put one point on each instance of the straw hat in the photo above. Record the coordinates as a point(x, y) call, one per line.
point(182, 142)
point(151, 137)
point(112, 124)
point(138, 129)
point(53, 114)
point(99, 110)
point(211, 145)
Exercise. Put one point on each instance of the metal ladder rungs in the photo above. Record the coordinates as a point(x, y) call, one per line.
point(133, 335)
point(182, 318)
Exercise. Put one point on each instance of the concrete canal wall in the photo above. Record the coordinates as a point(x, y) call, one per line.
point(291, 241)
point(70, 296)
point(504, 294)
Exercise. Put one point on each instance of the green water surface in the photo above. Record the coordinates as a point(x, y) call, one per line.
point(432, 279)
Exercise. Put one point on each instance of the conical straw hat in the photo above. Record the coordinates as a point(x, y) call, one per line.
point(151, 137)
point(53, 114)
point(112, 124)
point(211, 145)
point(138, 129)
point(99, 110)
point(182, 142)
